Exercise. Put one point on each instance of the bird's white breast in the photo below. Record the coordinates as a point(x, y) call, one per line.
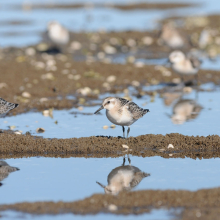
point(124, 119)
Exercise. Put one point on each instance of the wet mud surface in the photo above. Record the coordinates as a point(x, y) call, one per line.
point(131, 6)
point(31, 83)
point(15, 146)
point(203, 203)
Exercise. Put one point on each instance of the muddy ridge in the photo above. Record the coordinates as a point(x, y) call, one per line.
point(203, 203)
point(131, 6)
point(13, 145)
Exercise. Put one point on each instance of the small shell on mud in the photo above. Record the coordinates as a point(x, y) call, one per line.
point(170, 146)
point(3, 85)
point(131, 42)
point(125, 146)
point(75, 45)
point(170, 155)
point(48, 112)
point(112, 207)
point(26, 94)
point(12, 127)
point(112, 126)
point(135, 83)
point(147, 40)
point(43, 99)
point(161, 150)
point(18, 132)
point(40, 130)
point(109, 49)
point(84, 91)
point(139, 64)
point(111, 78)
point(47, 76)
point(105, 127)
point(42, 47)
point(30, 51)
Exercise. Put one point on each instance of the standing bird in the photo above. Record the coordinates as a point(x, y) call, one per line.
point(5, 107)
point(171, 37)
point(57, 34)
point(123, 178)
point(183, 65)
point(122, 112)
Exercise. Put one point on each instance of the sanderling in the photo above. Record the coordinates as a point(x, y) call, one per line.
point(183, 65)
point(171, 37)
point(5, 169)
point(122, 112)
point(5, 107)
point(58, 34)
point(123, 178)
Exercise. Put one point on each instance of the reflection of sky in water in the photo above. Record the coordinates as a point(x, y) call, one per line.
point(70, 179)
point(154, 214)
point(154, 122)
point(77, 19)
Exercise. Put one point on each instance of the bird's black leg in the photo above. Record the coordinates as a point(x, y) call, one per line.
point(123, 129)
point(123, 161)
point(129, 160)
point(128, 131)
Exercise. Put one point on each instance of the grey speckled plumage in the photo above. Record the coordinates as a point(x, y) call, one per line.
point(133, 108)
point(5, 107)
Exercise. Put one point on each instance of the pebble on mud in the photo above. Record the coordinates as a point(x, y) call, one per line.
point(40, 130)
point(26, 94)
point(111, 78)
point(170, 146)
point(105, 127)
point(125, 146)
point(112, 208)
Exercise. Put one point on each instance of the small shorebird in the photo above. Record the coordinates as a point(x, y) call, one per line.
point(122, 112)
point(171, 37)
point(123, 178)
point(5, 107)
point(183, 65)
point(57, 34)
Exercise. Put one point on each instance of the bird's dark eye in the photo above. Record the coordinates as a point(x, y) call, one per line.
point(108, 102)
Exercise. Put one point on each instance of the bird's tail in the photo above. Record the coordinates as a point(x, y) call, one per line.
point(146, 111)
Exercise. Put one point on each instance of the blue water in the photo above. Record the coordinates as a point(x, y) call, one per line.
point(70, 179)
point(157, 121)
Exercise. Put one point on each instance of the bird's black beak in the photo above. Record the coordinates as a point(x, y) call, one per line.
point(101, 185)
point(99, 110)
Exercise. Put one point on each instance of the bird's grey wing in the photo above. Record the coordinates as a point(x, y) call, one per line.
point(6, 106)
point(196, 63)
point(137, 178)
point(122, 102)
point(136, 111)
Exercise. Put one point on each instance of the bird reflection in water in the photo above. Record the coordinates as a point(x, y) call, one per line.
point(185, 110)
point(123, 178)
point(5, 170)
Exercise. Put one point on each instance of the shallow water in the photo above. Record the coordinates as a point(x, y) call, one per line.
point(160, 120)
point(70, 179)
point(154, 214)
